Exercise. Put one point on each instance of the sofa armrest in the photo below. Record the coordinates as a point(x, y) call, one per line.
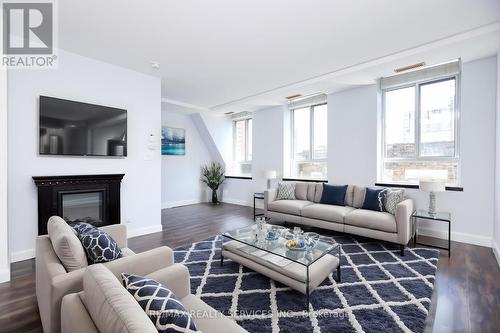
point(175, 278)
point(75, 317)
point(142, 263)
point(269, 196)
point(404, 210)
point(118, 232)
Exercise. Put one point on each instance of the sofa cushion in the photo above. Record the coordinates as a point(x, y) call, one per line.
point(371, 219)
point(374, 199)
point(111, 306)
point(318, 193)
point(334, 195)
point(66, 244)
point(126, 252)
point(160, 304)
point(293, 207)
point(311, 191)
point(358, 196)
point(286, 191)
point(100, 246)
point(301, 191)
point(209, 320)
point(326, 212)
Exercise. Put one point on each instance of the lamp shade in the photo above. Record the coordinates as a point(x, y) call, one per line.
point(432, 185)
point(270, 174)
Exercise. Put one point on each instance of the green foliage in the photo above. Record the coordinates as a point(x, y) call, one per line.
point(213, 175)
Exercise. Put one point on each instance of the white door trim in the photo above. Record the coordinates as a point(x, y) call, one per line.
point(4, 234)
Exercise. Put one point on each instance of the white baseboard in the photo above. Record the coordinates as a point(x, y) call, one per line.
point(457, 236)
point(496, 251)
point(22, 255)
point(143, 231)
point(237, 202)
point(171, 204)
point(4, 275)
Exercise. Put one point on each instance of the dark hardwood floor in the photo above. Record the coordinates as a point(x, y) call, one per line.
point(466, 296)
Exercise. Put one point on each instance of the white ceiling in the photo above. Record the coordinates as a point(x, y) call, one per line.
point(243, 55)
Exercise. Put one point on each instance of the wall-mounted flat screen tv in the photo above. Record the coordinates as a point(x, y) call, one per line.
point(81, 129)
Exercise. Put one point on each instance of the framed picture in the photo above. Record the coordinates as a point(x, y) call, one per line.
point(173, 141)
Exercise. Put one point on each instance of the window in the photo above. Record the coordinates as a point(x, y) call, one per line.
point(242, 143)
point(309, 142)
point(420, 131)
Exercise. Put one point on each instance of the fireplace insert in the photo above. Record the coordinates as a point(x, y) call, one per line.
point(94, 199)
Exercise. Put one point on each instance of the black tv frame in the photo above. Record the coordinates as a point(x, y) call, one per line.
point(81, 155)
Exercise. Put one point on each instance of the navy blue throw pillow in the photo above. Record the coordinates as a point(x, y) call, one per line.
point(160, 304)
point(82, 227)
point(333, 194)
point(99, 246)
point(374, 199)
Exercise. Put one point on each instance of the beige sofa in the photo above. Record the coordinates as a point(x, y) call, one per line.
point(53, 282)
point(351, 219)
point(105, 305)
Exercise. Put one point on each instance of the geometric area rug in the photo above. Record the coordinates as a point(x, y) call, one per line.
point(380, 291)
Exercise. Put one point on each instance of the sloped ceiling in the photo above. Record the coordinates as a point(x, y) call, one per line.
point(226, 54)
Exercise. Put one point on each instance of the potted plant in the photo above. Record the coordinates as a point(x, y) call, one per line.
point(213, 176)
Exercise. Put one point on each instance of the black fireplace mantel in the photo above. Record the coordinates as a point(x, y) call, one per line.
point(51, 187)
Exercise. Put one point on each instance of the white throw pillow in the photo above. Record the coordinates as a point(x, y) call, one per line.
point(392, 199)
point(66, 244)
point(286, 191)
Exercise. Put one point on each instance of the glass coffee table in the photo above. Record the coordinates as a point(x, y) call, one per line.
point(301, 269)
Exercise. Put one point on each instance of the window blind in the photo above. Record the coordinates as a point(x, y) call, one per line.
point(434, 72)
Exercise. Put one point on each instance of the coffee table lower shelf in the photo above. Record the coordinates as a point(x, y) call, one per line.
point(300, 277)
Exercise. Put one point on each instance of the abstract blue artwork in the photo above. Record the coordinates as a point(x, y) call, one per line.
point(173, 141)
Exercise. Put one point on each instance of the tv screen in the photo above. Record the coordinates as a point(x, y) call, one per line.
point(75, 128)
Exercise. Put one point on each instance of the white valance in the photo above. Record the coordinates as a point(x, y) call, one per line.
point(448, 69)
point(303, 102)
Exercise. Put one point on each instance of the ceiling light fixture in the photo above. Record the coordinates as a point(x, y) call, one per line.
point(155, 65)
point(409, 67)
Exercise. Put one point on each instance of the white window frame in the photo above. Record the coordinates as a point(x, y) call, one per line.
point(418, 157)
point(247, 160)
point(311, 159)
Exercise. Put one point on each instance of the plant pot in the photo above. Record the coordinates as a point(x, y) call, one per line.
point(215, 200)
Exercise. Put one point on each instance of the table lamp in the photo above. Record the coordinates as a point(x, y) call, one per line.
point(432, 186)
point(270, 174)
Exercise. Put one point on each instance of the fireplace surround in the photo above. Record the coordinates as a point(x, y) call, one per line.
point(94, 199)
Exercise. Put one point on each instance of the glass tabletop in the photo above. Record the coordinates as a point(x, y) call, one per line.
point(441, 216)
point(257, 244)
point(258, 195)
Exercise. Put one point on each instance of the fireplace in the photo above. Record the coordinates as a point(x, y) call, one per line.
point(94, 199)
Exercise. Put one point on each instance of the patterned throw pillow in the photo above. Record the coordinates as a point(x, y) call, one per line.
point(286, 191)
point(82, 227)
point(99, 246)
point(392, 198)
point(374, 199)
point(160, 304)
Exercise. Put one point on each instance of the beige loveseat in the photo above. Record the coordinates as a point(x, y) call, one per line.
point(105, 305)
point(53, 282)
point(351, 219)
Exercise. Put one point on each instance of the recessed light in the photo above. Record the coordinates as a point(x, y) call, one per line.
point(155, 65)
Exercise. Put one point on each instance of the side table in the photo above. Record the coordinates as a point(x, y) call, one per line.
point(257, 196)
point(438, 217)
